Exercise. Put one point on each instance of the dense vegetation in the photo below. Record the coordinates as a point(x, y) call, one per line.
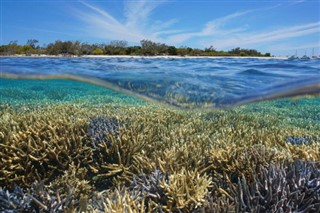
point(147, 48)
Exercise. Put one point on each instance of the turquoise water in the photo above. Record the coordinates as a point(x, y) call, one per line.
point(182, 82)
point(39, 92)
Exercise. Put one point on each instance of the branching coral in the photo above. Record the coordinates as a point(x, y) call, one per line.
point(281, 188)
point(114, 201)
point(147, 158)
point(244, 161)
point(15, 201)
point(301, 140)
point(36, 199)
point(41, 151)
point(99, 127)
point(147, 187)
point(74, 178)
point(186, 190)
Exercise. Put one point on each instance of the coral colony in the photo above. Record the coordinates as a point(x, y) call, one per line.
point(145, 158)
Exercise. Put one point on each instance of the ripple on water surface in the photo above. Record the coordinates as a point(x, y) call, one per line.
point(181, 82)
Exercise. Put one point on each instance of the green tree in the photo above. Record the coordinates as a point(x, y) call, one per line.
point(54, 48)
point(32, 43)
point(12, 47)
point(25, 49)
point(148, 47)
point(184, 50)
point(97, 51)
point(133, 50)
point(116, 47)
point(172, 50)
point(86, 49)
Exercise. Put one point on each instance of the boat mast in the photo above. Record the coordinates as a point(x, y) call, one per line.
point(312, 52)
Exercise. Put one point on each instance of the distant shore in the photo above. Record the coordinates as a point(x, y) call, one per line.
point(138, 56)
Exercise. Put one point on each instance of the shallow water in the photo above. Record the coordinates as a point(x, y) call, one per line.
point(182, 82)
point(68, 144)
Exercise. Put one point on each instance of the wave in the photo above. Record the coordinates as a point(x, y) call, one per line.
point(297, 88)
point(253, 72)
point(185, 83)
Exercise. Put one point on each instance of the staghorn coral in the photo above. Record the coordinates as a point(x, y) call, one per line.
point(219, 146)
point(44, 201)
point(300, 140)
point(15, 201)
point(280, 188)
point(114, 162)
point(238, 161)
point(35, 199)
point(221, 204)
point(99, 127)
point(147, 187)
point(74, 178)
point(185, 190)
point(40, 151)
point(117, 200)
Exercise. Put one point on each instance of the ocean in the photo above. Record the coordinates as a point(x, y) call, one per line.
point(157, 134)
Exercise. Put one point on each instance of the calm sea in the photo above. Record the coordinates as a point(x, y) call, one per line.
point(181, 82)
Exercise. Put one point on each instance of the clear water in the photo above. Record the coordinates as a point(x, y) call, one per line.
point(18, 92)
point(182, 82)
point(59, 127)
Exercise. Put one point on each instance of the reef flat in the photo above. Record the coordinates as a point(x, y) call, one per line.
point(100, 151)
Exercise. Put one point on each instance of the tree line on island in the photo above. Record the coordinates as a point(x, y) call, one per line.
point(117, 47)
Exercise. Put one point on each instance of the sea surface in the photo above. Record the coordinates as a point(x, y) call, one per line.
point(181, 82)
point(159, 135)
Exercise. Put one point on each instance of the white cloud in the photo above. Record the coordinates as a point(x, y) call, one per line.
point(135, 27)
point(138, 12)
point(292, 48)
point(269, 36)
point(213, 27)
point(138, 25)
point(296, 2)
point(216, 27)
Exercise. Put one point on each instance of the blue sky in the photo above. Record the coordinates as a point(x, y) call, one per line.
point(277, 26)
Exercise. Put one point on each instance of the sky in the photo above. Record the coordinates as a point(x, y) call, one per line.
point(280, 27)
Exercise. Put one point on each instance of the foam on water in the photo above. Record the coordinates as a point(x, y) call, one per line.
point(181, 82)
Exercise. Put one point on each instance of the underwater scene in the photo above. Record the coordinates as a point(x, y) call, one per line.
point(159, 135)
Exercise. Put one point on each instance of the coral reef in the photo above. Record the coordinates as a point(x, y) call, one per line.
point(15, 201)
point(36, 199)
point(301, 140)
point(99, 127)
point(40, 149)
point(186, 190)
point(79, 157)
point(147, 187)
point(117, 200)
point(288, 187)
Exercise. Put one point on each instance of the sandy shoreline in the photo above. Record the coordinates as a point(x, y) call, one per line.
point(137, 56)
